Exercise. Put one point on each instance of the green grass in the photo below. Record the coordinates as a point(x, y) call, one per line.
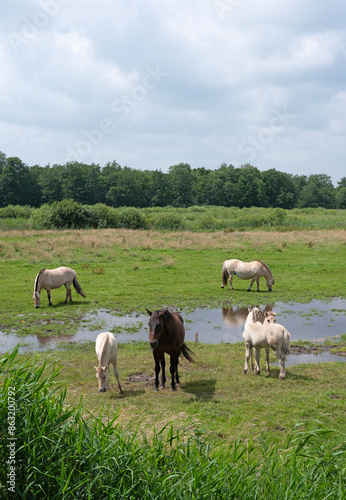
point(222, 434)
point(87, 449)
point(127, 271)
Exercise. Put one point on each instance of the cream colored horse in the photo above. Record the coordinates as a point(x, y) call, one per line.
point(246, 270)
point(265, 336)
point(49, 279)
point(107, 351)
point(269, 318)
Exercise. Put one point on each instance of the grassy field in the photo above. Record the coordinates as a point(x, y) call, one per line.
point(216, 407)
point(125, 270)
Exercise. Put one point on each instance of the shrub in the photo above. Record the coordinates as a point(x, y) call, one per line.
point(169, 221)
point(103, 216)
point(131, 218)
point(15, 212)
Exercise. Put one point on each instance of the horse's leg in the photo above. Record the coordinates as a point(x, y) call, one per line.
point(68, 292)
point(163, 364)
point(251, 357)
point(116, 374)
point(173, 369)
point(230, 278)
point(257, 281)
point(252, 282)
point(157, 370)
point(176, 373)
point(248, 353)
point(267, 360)
point(48, 295)
point(282, 360)
point(257, 360)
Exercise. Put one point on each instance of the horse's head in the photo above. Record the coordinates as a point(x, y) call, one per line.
point(269, 317)
point(270, 284)
point(36, 297)
point(102, 377)
point(253, 315)
point(156, 326)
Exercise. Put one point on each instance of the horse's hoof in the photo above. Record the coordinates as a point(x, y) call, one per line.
point(156, 389)
point(174, 389)
point(244, 372)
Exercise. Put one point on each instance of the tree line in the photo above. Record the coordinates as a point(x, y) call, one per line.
point(182, 186)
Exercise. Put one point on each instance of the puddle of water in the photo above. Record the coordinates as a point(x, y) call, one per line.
point(313, 321)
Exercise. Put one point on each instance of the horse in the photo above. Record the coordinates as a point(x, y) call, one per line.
point(246, 270)
point(55, 278)
point(265, 336)
point(167, 335)
point(106, 350)
point(269, 318)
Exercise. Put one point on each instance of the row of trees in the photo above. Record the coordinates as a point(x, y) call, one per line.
point(181, 186)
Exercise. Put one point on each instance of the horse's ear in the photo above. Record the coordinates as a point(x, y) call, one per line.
point(249, 309)
point(266, 313)
point(149, 312)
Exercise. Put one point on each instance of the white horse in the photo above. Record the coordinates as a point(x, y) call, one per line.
point(55, 278)
point(265, 336)
point(106, 350)
point(246, 270)
point(269, 318)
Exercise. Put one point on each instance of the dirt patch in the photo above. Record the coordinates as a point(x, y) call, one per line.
point(140, 377)
point(315, 349)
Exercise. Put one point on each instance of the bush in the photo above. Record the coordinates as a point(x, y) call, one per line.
point(132, 218)
point(169, 221)
point(103, 216)
point(15, 212)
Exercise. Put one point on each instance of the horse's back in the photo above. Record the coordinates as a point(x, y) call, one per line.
point(110, 352)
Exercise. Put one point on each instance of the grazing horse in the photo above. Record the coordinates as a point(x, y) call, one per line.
point(55, 278)
point(106, 350)
point(246, 270)
point(167, 334)
point(265, 336)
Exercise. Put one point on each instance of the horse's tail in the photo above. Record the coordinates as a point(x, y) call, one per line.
point(78, 287)
point(225, 275)
point(187, 353)
point(286, 343)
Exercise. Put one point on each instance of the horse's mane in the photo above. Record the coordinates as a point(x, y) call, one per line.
point(38, 278)
point(266, 266)
point(103, 349)
point(168, 317)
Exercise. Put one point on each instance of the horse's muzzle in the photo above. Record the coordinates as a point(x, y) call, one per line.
point(103, 389)
point(153, 344)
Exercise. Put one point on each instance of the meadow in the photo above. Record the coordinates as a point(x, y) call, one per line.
point(222, 434)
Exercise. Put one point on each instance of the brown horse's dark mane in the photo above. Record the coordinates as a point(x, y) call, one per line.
point(38, 278)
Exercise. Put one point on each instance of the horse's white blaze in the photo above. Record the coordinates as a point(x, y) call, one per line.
point(106, 351)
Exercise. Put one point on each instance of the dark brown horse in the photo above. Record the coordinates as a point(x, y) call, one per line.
point(167, 334)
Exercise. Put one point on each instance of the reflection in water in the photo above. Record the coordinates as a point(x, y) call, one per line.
point(307, 322)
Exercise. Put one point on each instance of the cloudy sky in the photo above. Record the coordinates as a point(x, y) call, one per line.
point(152, 83)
